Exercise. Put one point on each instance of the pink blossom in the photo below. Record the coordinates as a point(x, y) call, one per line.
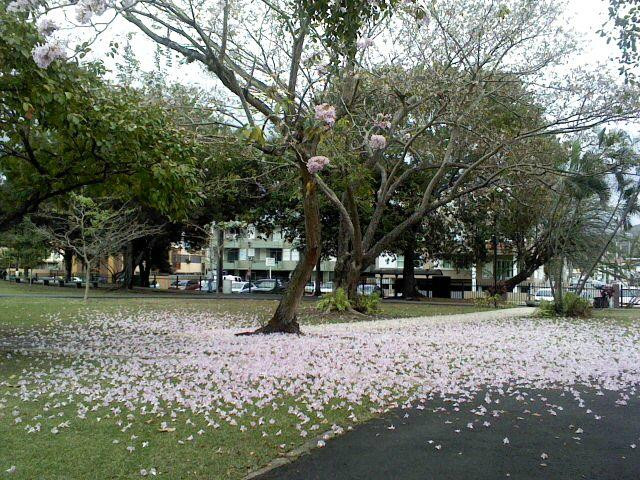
point(317, 163)
point(45, 54)
point(364, 43)
point(46, 27)
point(83, 14)
point(326, 113)
point(21, 5)
point(378, 142)
point(383, 121)
point(86, 9)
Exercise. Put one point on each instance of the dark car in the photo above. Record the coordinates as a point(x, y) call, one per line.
point(186, 285)
point(268, 285)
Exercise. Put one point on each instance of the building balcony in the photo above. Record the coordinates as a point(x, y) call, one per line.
point(255, 243)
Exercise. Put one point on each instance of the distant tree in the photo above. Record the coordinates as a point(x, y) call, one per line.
point(23, 247)
point(93, 230)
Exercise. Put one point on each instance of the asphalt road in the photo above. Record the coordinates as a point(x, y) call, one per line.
point(570, 445)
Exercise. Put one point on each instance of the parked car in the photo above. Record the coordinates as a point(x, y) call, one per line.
point(268, 285)
point(185, 285)
point(310, 287)
point(630, 296)
point(325, 287)
point(242, 287)
point(544, 294)
point(233, 278)
point(369, 289)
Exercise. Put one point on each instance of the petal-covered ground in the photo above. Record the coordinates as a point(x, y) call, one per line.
point(156, 366)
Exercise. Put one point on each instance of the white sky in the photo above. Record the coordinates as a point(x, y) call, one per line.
point(585, 17)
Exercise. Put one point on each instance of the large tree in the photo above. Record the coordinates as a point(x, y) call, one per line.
point(293, 70)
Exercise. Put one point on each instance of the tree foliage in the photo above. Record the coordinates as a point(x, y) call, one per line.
point(62, 128)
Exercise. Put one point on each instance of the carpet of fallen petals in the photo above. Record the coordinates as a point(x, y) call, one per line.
point(198, 364)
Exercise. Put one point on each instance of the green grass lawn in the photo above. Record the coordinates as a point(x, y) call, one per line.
point(96, 447)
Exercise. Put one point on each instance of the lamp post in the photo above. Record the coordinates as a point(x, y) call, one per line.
point(250, 257)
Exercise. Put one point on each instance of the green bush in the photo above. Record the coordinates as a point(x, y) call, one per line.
point(490, 301)
point(368, 304)
point(575, 306)
point(334, 302)
point(547, 309)
point(572, 306)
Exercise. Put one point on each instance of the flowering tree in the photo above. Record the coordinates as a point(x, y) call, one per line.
point(466, 109)
point(274, 60)
point(294, 72)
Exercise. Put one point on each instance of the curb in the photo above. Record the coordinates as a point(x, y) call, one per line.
point(291, 456)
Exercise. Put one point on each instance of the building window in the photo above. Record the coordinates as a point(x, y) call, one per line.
point(504, 272)
point(233, 254)
point(275, 253)
point(295, 255)
point(446, 264)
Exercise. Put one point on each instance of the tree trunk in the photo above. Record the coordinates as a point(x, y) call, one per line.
point(285, 318)
point(318, 287)
point(409, 284)
point(87, 279)
point(127, 279)
point(353, 279)
point(68, 263)
point(220, 257)
point(145, 272)
point(530, 264)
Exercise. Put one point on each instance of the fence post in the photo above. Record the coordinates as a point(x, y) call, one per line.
point(617, 291)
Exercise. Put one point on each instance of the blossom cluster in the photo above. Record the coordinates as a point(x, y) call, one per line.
point(364, 43)
point(47, 53)
point(86, 9)
point(317, 163)
point(326, 113)
point(21, 5)
point(46, 27)
point(383, 121)
point(378, 142)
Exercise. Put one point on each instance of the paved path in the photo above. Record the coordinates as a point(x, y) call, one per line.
point(602, 451)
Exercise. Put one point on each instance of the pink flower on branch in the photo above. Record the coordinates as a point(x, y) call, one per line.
point(326, 113)
point(317, 163)
point(46, 27)
point(47, 53)
point(364, 43)
point(378, 142)
point(383, 121)
point(21, 5)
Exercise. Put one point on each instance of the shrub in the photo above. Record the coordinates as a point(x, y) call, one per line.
point(575, 306)
point(572, 306)
point(368, 304)
point(547, 309)
point(490, 301)
point(334, 302)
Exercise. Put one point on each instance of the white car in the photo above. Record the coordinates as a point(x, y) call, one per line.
point(233, 278)
point(241, 287)
point(544, 294)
